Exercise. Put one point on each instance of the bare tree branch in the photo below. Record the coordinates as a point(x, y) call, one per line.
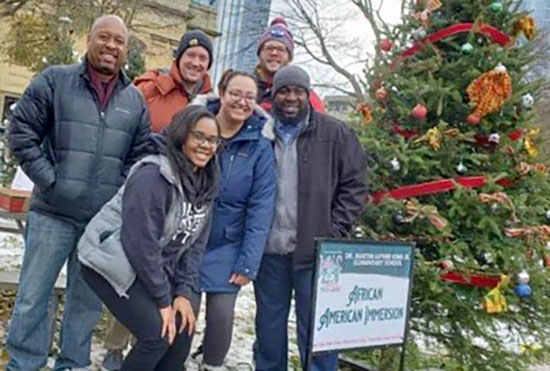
point(319, 47)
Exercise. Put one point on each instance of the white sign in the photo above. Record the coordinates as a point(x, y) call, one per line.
point(362, 295)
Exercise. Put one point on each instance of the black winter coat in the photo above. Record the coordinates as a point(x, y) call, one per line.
point(332, 186)
point(76, 153)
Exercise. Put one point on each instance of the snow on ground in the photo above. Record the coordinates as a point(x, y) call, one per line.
point(240, 354)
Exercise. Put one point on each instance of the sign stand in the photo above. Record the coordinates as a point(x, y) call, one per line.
point(361, 297)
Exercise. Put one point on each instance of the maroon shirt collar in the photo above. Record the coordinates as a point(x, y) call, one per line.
point(104, 90)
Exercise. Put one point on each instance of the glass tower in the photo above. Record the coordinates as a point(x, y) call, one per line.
point(241, 23)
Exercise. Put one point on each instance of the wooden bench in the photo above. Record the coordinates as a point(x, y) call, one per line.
point(10, 281)
point(18, 219)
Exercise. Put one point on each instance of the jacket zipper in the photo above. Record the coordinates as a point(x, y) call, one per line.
point(99, 146)
point(231, 160)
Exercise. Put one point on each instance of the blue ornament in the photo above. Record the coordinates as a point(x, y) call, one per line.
point(523, 290)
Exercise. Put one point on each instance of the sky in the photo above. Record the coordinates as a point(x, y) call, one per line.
point(354, 29)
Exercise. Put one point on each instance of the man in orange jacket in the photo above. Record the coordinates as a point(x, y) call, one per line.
point(167, 92)
point(276, 50)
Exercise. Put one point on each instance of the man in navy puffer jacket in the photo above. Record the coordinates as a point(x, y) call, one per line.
point(76, 131)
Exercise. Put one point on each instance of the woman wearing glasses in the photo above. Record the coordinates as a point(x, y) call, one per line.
point(242, 211)
point(141, 253)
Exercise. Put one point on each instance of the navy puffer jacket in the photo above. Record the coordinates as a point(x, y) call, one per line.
point(76, 153)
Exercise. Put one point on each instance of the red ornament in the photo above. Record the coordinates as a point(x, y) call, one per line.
point(473, 119)
point(385, 45)
point(381, 94)
point(546, 261)
point(419, 111)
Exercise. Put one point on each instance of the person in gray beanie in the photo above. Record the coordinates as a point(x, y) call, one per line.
point(320, 159)
point(291, 109)
point(291, 75)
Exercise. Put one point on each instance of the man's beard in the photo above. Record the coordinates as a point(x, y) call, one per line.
point(293, 120)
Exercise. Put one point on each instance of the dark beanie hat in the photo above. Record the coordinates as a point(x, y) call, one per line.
point(290, 75)
point(194, 38)
point(278, 31)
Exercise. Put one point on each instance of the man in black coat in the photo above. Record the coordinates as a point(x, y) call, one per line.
point(321, 193)
point(76, 131)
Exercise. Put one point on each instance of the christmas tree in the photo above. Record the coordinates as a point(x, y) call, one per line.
point(452, 143)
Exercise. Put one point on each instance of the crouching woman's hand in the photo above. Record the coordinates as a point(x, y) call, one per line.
point(183, 306)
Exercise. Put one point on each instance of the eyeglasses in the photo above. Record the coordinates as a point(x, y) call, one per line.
point(200, 138)
point(237, 96)
point(275, 48)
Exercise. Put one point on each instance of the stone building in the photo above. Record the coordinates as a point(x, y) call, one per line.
point(158, 25)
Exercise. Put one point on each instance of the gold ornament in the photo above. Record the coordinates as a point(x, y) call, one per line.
point(527, 26)
point(366, 112)
point(489, 91)
point(529, 142)
point(434, 137)
point(494, 301)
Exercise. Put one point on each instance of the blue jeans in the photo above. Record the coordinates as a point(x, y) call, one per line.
point(49, 243)
point(273, 290)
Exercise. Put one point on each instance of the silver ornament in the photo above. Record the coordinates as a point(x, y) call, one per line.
point(523, 277)
point(548, 216)
point(494, 138)
point(527, 101)
point(461, 168)
point(395, 165)
point(419, 33)
point(500, 68)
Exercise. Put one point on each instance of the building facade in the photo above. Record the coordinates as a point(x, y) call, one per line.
point(161, 24)
point(340, 106)
point(240, 23)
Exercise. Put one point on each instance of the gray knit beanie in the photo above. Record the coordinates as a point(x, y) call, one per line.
point(290, 75)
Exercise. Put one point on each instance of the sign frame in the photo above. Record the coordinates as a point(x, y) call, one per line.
point(316, 276)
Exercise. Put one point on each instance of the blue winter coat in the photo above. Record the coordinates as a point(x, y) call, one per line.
point(243, 210)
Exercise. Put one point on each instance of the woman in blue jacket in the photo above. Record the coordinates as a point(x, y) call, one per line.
point(243, 210)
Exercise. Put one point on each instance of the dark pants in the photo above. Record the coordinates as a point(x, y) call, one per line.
point(220, 308)
point(141, 315)
point(273, 290)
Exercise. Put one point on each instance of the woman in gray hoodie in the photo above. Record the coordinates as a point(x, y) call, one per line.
point(141, 253)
